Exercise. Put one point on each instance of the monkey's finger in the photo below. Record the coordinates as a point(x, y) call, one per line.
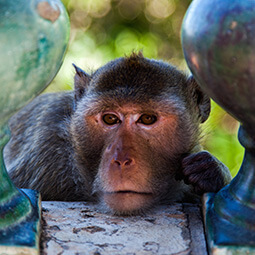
point(198, 157)
point(203, 176)
point(205, 182)
point(205, 187)
point(199, 167)
point(195, 168)
point(193, 179)
point(208, 176)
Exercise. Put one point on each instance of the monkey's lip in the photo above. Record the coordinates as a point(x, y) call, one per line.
point(128, 201)
point(128, 192)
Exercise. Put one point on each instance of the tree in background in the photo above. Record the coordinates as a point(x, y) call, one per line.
point(104, 30)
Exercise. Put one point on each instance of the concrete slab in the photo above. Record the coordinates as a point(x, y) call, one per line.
point(80, 228)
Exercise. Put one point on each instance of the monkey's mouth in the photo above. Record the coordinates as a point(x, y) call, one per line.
point(128, 201)
point(129, 192)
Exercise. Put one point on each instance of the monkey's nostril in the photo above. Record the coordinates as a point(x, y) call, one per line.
point(128, 162)
point(117, 162)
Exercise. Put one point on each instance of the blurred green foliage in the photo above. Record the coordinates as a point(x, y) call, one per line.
point(102, 30)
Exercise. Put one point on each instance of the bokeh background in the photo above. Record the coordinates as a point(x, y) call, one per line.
point(102, 30)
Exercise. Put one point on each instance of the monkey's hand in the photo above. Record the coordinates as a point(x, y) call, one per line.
point(204, 172)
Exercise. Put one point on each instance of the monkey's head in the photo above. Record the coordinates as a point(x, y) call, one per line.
point(134, 120)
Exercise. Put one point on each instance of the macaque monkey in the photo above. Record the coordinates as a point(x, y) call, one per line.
point(127, 137)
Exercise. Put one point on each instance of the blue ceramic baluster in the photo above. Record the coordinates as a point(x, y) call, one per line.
point(218, 39)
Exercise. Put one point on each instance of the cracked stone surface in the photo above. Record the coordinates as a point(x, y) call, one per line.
point(80, 228)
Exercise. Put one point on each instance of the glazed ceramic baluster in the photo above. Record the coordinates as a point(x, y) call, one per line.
point(218, 39)
point(33, 39)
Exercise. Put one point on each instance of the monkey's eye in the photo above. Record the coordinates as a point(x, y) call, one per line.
point(147, 119)
point(110, 119)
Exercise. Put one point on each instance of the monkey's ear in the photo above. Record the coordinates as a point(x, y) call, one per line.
point(201, 99)
point(81, 82)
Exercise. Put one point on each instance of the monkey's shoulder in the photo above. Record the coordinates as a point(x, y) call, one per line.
point(40, 133)
point(40, 125)
point(49, 109)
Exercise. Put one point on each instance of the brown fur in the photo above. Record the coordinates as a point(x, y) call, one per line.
point(62, 147)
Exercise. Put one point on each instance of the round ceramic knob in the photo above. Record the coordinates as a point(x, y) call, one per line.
point(34, 36)
point(218, 43)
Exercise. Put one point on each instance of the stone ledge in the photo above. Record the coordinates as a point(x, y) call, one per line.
point(80, 228)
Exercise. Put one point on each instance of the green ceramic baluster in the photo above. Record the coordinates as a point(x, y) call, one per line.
point(33, 39)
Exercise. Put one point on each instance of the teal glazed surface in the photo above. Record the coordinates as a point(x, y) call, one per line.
point(218, 43)
point(33, 39)
point(26, 232)
point(218, 39)
point(31, 49)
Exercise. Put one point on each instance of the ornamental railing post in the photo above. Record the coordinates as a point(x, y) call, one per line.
point(33, 39)
point(218, 39)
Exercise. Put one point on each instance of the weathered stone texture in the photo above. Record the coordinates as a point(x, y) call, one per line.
point(80, 228)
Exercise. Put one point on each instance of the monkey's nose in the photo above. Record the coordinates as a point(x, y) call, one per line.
point(123, 162)
point(126, 162)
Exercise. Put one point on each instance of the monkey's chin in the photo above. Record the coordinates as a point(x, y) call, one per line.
point(128, 202)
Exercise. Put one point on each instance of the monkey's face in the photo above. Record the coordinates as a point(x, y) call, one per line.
point(134, 120)
point(140, 152)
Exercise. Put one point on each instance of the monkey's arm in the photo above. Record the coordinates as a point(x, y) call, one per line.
point(205, 172)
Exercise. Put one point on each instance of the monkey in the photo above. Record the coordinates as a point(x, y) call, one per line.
point(127, 137)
